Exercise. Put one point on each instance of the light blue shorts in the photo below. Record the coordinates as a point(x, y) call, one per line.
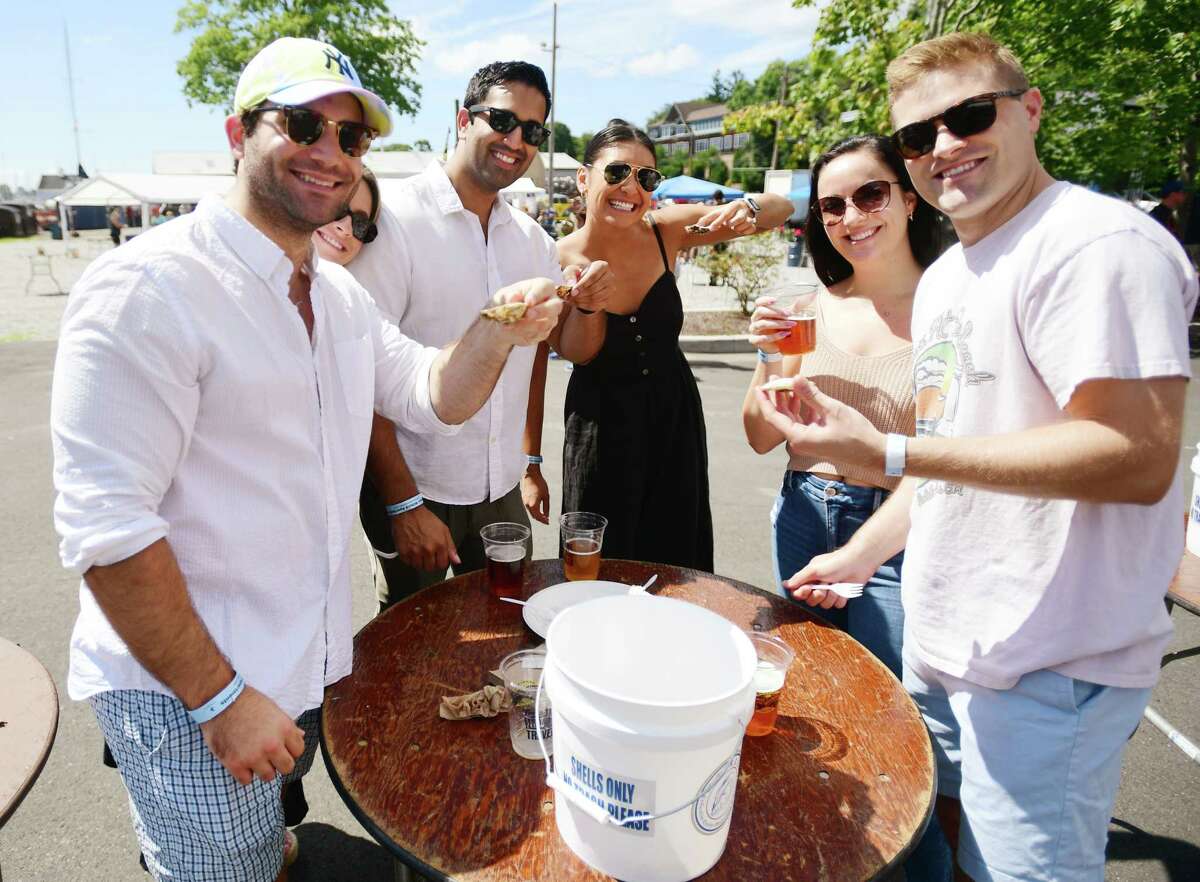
point(193, 821)
point(1036, 768)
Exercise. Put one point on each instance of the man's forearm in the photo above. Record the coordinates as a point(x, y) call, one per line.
point(386, 466)
point(464, 373)
point(145, 599)
point(1080, 459)
point(536, 407)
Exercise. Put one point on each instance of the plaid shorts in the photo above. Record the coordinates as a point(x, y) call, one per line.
point(193, 821)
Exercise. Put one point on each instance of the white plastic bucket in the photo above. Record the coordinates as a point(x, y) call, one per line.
point(1193, 527)
point(651, 697)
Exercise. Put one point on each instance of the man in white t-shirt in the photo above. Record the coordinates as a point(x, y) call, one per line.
point(1041, 508)
point(447, 242)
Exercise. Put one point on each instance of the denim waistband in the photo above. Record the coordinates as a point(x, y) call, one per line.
point(824, 490)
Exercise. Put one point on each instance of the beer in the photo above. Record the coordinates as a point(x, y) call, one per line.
point(581, 558)
point(803, 337)
point(768, 686)
point(505, 569)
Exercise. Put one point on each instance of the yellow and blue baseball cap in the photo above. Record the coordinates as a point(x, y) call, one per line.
point(297, 70)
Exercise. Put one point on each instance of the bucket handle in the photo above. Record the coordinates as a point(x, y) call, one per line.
point(556, 782)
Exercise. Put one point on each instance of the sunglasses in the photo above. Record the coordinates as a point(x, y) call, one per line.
point(504, 121)
point(871, 198)
point(306, 127)
point(968, 117)
point(648, 178)
point(362, 228)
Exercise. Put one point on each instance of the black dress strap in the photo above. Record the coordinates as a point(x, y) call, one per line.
point(658, 236)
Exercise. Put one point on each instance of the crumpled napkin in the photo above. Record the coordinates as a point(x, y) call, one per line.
point(487, 702)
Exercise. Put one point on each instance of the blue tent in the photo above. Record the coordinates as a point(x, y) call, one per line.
point(685, 187)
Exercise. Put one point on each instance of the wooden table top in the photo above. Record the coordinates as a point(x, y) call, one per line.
point(839, 791)
point(1185, 587)
point(28, 723)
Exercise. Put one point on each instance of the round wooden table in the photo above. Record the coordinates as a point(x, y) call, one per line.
point(28, 723)
point(841, 790)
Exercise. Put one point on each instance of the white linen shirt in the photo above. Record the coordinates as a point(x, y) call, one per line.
point(430, 271)
point(189, 403)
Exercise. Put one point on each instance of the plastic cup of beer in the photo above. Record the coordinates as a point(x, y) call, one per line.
point(582, 537)
point(522, 671)
point(798, 300)
point(504, 546)
point(774, 659)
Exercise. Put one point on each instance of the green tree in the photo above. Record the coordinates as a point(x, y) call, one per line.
point(564, 141)
point(671, 164)
point(722, 88)
point(423, 145)
point(581, 143)
point(1121, 80)
point(396, 148)
point(383, 48)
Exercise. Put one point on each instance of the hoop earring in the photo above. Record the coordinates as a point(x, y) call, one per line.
point(910, 217)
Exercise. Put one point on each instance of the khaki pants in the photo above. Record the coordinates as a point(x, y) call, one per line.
point(396, 580)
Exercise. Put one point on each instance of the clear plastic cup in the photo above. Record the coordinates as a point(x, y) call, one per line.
point(582, 538)
point(505, 546)
point(522, 671)
point(798, 300)
point(774, 659)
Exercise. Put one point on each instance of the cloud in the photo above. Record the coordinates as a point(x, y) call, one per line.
point(466, 58)
point(680, 57)
point(774, 18)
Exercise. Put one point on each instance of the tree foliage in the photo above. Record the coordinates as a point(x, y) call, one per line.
point(383, 48)
point(1121, 80)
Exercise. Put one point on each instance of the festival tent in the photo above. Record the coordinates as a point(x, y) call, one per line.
point(686, 187)
point(120, 189)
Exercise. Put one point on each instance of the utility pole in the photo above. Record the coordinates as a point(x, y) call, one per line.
point(775, 140)
point(71, 92)
point(553, 49)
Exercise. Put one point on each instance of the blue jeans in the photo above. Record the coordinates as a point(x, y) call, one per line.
point(814, 516)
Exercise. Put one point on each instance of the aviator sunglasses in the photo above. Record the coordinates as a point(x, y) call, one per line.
point(969, 117)
point(648, 178)
point(504, 121)
point(306, 127)
point(871, 198)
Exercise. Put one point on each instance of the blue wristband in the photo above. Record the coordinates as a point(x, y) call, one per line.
point(399, 508)
point(533, 459)
point(220, 701)
point(769, 357)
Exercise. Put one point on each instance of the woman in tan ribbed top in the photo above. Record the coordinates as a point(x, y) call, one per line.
point(870, 237)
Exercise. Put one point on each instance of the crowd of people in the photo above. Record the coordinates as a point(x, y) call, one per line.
point(985, 438)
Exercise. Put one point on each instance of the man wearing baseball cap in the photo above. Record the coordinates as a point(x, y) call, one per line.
point(212, 404)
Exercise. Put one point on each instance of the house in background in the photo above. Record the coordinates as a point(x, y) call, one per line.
point(692, 127)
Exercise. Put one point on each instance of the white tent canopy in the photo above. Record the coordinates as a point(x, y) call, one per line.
point(145, 189)
point(523, 187)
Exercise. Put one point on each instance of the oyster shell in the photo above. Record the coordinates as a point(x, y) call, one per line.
point(505, 313)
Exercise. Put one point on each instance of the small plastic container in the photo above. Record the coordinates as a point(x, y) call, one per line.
point(1193, 527)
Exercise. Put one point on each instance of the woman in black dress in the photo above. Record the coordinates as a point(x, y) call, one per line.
point(635, 448)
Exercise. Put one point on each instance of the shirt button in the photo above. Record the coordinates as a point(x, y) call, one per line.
point(645, 372)
point(637, 337)
point(830, 492)
point(633, 319)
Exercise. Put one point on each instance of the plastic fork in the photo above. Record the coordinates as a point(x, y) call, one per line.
point(848, 590)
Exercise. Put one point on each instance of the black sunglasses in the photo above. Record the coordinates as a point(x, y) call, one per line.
point(504, 121)
point(648, 178)
point(968, 117)
point(362, 227)
point(306, 127)
point(871, 198)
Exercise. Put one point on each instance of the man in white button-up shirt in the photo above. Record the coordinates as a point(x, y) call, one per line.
point(211, 411)
point(447, 242)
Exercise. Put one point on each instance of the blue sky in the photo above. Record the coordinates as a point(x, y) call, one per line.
point(617, 58)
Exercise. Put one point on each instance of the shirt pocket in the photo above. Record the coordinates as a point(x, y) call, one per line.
point(356, 368)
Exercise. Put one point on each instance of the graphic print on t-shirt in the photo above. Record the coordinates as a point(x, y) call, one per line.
point(942, 368)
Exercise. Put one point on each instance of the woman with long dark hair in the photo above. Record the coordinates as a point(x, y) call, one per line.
point(870, 237)
point(635, 447)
